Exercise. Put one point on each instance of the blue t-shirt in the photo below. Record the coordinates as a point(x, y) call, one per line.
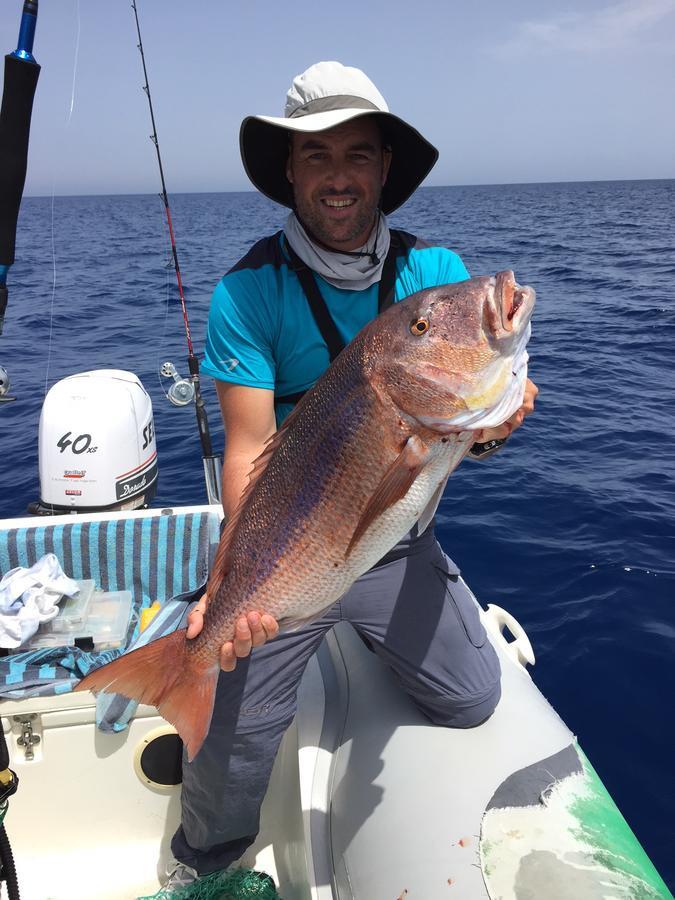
point(261, 332)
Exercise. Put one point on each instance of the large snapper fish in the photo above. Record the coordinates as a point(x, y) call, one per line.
point(363, 457)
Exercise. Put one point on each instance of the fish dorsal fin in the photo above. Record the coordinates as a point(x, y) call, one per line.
point(221, 563)
point(394, 486)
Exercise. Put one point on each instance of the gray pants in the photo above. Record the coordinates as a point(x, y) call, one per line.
point(417, 617)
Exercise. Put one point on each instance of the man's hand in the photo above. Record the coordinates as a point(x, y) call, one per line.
point(251, 630)
point(516, 420)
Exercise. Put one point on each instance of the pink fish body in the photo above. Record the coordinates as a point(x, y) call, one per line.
point(363, 457)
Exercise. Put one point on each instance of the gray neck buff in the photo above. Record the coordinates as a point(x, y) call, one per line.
point(350, 273)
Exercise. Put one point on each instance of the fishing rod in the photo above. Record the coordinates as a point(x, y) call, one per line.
point(182, 391)
point(21, 77)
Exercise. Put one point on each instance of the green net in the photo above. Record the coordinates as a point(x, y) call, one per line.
point(235, 884)
point(242, 884)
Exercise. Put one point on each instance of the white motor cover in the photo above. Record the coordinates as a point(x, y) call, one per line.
point(97, 442)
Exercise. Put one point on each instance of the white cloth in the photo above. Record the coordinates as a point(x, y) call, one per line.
point(510, 400)
point(29, 597)
point(349, 273)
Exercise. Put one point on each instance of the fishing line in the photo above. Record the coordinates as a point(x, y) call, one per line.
point(51, 305)
point(75, 63)
point(76, 57)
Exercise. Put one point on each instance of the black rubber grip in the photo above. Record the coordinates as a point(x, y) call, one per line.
point(21, 79)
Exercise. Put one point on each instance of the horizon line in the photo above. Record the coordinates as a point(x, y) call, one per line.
point(421, 188)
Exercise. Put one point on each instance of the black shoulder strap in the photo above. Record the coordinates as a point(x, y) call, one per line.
point(317, 305)
point(400, 244)
point(400, 240)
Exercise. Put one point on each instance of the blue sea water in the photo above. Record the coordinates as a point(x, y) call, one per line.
point(570, 527)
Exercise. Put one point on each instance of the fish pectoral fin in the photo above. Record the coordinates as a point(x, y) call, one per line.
point(393, 487)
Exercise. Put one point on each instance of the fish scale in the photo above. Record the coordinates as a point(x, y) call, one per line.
point(363, 456)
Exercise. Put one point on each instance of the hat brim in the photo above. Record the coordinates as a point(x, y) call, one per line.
point(263, 141)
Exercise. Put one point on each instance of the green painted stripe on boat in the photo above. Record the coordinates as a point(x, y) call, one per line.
point(616, 848)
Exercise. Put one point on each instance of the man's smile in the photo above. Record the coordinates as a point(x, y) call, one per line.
point(338, 204)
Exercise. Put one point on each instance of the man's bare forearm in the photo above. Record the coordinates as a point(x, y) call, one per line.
point(236, 470)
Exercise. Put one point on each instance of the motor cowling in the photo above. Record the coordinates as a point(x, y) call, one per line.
point(97, 444)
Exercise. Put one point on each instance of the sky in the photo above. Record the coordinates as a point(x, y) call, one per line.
point(511, 91)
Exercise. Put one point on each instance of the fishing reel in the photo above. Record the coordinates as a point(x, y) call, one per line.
point(4, 386)
point(182, 391)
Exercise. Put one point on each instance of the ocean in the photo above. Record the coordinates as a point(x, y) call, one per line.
point(570, 527)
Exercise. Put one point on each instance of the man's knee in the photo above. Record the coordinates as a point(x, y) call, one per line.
point(467, 712)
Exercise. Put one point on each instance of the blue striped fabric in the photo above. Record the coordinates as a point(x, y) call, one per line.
point(154, 557)
point(113, 711)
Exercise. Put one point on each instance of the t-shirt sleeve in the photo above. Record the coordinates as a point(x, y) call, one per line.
point(438, 265)
point(428, 267)
point(238, 340)
point(457, 271)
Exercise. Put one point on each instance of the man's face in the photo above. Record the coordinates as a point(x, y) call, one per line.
point(337, 177)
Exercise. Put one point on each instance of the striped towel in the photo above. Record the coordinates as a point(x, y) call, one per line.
point(162, 557)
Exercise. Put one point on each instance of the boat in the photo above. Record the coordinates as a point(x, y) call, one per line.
point(368, 800)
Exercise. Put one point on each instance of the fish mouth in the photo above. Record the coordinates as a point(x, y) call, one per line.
point(513, 301)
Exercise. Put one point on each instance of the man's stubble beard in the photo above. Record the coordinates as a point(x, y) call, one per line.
point(317, 226)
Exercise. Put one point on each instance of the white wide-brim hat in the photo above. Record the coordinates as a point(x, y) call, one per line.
point(324, 96)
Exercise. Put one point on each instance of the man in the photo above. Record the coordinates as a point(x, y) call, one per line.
point(341, 162)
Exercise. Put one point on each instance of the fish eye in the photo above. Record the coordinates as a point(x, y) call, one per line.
point(419, 326)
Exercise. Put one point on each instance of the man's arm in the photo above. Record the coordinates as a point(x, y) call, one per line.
point(248, 417)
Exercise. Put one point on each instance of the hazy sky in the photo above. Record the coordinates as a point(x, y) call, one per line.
point(510, 91)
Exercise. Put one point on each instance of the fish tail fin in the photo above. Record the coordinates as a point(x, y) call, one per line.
point(162, 674)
